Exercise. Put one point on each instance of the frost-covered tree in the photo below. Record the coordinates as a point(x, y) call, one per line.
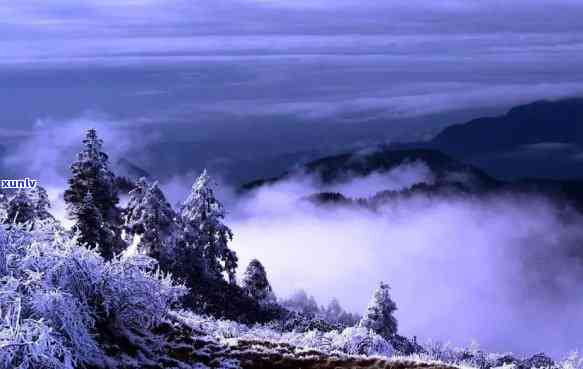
point(89, 227)
point(379, 314)
point(150, 217)
point(19, 208)
point(59, 301)
point(335, 314)
point(91, 174)
point(302, 303)
point(347, 319)
point(203, 217)
point(153, 228)
point(40, 202)
point(25, 207)
point(256, 285)
point(333, 311)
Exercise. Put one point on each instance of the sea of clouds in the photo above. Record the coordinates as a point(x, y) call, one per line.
point(498, 269)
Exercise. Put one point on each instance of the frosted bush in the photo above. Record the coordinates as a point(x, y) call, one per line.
point(443, 352)
point(229, 329)
point(70, 317)
point(53, 293)
point(573, 361)
point(28, 343)
point(352, 341)
point(135, 294)
point(362, 341)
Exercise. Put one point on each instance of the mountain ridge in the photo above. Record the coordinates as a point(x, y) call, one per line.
point(338, 168)
point(559, 121)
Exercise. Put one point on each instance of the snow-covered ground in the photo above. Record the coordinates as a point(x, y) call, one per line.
point(350, 345)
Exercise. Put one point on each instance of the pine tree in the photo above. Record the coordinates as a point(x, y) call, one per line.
point(40, 202)
point(333, 311)
point(302, 303)
point(256, 285)
point(379, 314)
point(28, 208)
point(20, 208)
point(89, 226)
point(91, 174)
point(150, 216)
point(203, 218)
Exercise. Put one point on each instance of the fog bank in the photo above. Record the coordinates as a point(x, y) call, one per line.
point(497, 269)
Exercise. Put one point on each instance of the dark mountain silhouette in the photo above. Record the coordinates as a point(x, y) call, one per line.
point(343, 167)
point(536, 123)
point(126, 168)
point(564, 193)
point(543, 139)
point(340, 168)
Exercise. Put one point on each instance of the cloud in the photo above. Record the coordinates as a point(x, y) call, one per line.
point(180, 26)
point(160, 48)
point(499, 269)
point(263, 16)
point(434, 99)
point(52, 145)
point(48, 150)
point(347, 61)
point(397, 179)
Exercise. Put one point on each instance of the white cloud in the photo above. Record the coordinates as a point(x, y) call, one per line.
point(496, 268)
point(434, 100)
point(52, 146)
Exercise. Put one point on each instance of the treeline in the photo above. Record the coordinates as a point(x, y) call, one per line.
point(191, 243)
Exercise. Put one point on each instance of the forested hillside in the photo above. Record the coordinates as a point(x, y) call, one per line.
point(150, 286)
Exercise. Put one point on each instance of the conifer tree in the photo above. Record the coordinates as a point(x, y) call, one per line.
point(379, 314)
point(20, 208)
point(333, 311)
point(203, 217)
point(302, 303)
point(150, 216)
point(89, 226)
point(28, 207)
point(40, 202)
point(256, 285)
point(91, 174)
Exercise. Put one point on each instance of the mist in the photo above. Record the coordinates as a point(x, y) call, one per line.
point(497, 269)
point(46, 153)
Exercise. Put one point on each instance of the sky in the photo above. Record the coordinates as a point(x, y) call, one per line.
point(497, 269)
point(284, 62)
point(250, 87)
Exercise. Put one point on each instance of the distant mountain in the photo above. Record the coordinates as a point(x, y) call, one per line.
point(537, 123)
point(543, 139)
point(125, 168)
point(126, 175)
point(343, 167)
point(565, 193)
point(452, 178)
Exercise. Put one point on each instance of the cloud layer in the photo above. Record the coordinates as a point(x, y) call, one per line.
point(131, 17)
point(497, 269)
point(285, 63)
point(500, 269)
